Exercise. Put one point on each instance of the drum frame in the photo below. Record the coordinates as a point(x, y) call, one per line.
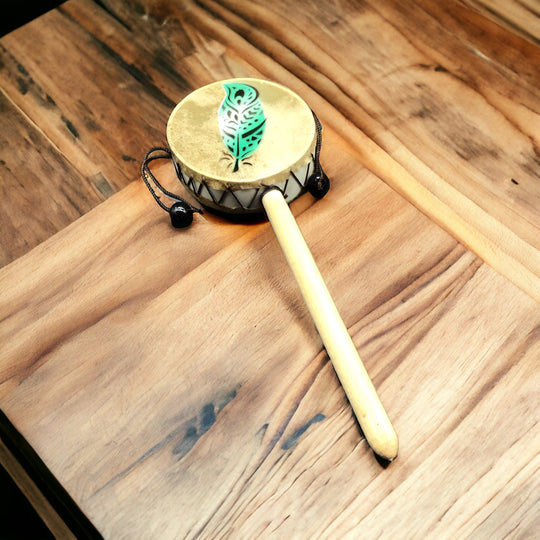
point(246, 200)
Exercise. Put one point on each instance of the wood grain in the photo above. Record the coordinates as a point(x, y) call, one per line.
point(70, 90)
point(461, 194)
point(399, 88)
point(173, 382)
point(153, 396)
point(50, 197)
point(523, 18)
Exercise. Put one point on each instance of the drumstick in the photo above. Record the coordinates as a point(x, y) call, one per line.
point(352, 374)
point(243, 146)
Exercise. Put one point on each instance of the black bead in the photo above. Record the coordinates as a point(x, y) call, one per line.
point(318, 184)
point(181, 215)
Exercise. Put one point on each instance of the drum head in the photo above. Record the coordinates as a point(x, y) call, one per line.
point(241, 134)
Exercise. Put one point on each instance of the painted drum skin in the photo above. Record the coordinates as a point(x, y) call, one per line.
point(232, 139)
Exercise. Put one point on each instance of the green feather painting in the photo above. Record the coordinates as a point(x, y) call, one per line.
point(241, 121)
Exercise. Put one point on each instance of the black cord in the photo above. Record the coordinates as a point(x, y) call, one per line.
point(318, 143)
point(318, 183)
point(149, 178)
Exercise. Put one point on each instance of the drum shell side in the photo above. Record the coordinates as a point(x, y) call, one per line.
point(236, 200)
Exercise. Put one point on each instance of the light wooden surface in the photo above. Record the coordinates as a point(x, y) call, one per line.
point(173, 382)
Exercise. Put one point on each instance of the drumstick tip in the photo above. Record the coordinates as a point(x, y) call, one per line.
point(385, 448)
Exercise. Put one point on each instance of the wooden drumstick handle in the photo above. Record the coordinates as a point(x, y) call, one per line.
point(354, 378)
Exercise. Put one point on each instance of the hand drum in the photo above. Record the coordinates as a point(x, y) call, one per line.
point(248, 145)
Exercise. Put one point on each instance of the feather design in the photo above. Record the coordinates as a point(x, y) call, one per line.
point(241, 120)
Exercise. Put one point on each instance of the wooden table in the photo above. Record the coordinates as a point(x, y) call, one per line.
point(171, 381)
